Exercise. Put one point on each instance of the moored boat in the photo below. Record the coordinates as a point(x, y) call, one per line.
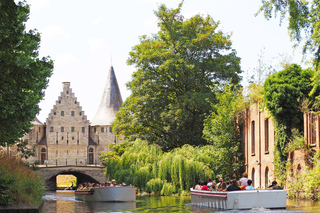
point(107, 194)
point(245, 199)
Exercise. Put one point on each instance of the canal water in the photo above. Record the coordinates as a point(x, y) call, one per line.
point(66, 203)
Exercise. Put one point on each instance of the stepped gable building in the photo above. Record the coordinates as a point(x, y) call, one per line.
point(67, 137)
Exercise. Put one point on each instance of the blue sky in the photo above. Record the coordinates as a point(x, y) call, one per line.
point(82, 36)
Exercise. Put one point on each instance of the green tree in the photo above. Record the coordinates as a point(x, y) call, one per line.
point(304, 17)
point(222, 130)
point(178, 71)
point(284, 92)
point(23, 75)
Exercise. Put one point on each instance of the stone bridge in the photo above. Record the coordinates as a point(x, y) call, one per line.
point(92, 174)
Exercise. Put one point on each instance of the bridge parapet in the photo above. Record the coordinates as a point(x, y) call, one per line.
point(71, 162)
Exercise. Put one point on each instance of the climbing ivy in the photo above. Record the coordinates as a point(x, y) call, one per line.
point(283, 94)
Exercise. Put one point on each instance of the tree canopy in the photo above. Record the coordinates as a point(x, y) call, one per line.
point(284, 93)
point(23, 75)
point(178, 71)
point(303, 18)
point(222, 131)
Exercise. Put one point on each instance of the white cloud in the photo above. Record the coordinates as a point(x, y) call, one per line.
point(38, 5)
point(64, 59)
point(53, 31)
point(96, 44)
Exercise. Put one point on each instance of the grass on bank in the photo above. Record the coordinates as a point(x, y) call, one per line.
point(18, 183)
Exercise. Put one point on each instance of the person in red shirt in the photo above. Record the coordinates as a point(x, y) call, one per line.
point(204, 186)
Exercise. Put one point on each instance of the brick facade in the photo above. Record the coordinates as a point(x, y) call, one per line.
point(258, 137)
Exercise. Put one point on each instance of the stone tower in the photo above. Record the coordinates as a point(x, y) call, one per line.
point(100, 127)
point(67, 130)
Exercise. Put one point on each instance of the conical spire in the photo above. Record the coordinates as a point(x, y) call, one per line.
point(110, 103)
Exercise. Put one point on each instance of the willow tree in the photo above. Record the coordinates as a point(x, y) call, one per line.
point(23, 75)
point(178, 71)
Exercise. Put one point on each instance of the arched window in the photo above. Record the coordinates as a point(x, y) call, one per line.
point(43, 155)
point(91, 155)
point(299, 168)
point(253, 177)
point(266, 178)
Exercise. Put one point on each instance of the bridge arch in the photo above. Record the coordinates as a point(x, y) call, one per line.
point(83, 174)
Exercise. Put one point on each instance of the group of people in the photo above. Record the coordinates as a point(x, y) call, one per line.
point(233, 185)
point(88, 186)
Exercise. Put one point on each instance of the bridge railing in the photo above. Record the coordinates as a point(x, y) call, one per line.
point(70, 162)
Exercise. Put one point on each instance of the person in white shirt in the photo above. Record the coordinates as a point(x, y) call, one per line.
point(244, 179)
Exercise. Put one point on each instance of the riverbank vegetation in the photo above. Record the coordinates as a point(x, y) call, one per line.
point(18, 183)
point(150, 169)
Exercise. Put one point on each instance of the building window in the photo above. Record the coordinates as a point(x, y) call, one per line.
point(72, 138)
point(94, 129)
point(110, 129)
point(54, 113)
point(80, 113)
point(266, 178)
point(72, 129)
point(102, 129)
point(299, 168)
point(62, 113)
point(252, 137)
point(83, 129)
point(72, 113)
point(59, 101)
point(62, 138)
point(51, 128)
point(253, 178)
point(67, 92)
point(77, 142)
point(62, 129)
point(266, 136)
point(39, 129)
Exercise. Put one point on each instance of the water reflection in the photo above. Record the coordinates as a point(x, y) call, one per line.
point(66, 203)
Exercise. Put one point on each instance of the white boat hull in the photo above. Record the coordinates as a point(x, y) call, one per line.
point(108, 194)
point(245, 199)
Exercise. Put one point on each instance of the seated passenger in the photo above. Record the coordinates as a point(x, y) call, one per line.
point(198, 186)
point(222, 187)
point(213, 187)
point(234, 186)
point(113, 182)
point(249, 187)
point(80, 187)
point(275, 185)
point(204, 186)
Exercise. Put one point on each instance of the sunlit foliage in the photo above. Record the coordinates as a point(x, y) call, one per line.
point(179, 69)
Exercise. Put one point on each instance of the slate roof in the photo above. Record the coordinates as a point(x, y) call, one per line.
point(36, 122)
point(110, 103)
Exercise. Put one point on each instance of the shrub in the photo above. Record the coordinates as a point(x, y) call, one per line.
point(18, 183)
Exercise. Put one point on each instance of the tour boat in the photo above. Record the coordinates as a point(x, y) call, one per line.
point(107, 194)
point(244, 199)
